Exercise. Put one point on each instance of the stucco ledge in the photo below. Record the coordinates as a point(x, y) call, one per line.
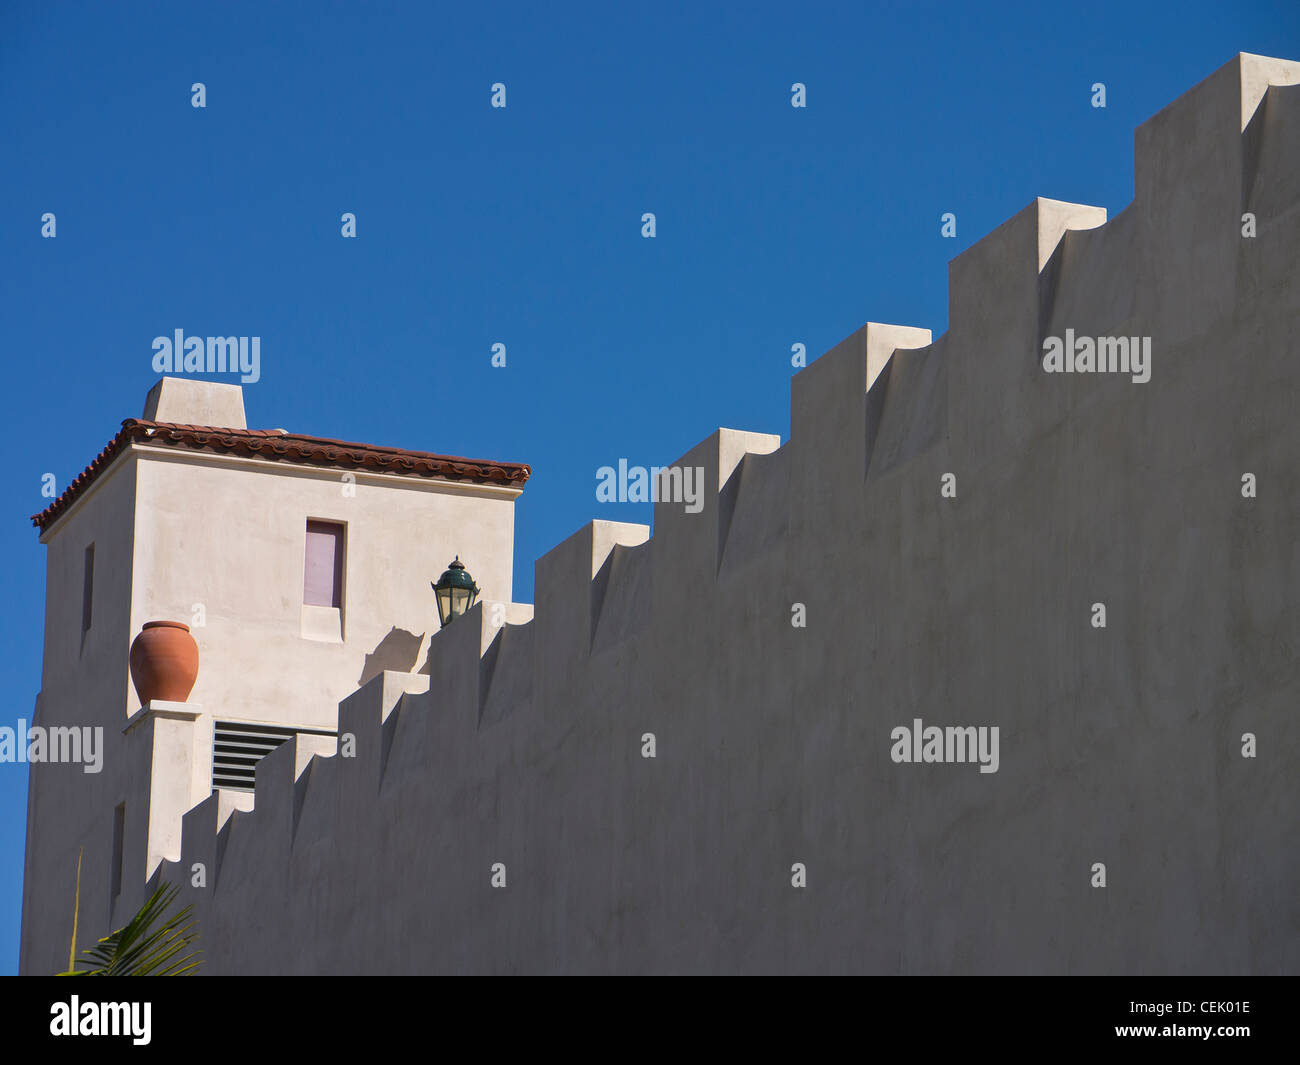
point(162, 708)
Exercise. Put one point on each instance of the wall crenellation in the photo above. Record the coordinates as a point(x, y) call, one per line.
point(946, 514)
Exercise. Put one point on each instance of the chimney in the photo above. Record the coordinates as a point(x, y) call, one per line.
point(186, 401)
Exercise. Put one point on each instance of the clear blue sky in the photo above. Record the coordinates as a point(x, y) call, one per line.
point(521, 226)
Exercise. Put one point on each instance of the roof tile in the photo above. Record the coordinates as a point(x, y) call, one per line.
point(279, 445)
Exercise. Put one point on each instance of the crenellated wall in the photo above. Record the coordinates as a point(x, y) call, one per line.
point(523, 744)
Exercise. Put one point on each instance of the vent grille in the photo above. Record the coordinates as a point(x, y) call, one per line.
point(238, 747)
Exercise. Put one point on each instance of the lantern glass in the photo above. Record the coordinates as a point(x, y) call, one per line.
point(461, 599)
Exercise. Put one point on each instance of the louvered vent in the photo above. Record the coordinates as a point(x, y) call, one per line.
point(237, 748)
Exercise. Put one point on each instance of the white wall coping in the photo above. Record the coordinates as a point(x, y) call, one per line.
point(157, 708)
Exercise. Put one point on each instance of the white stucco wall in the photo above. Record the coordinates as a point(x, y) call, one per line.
point(229, 534)
point(173, 529)
point(524, 746)
point(84, 682)
point(1119, 746)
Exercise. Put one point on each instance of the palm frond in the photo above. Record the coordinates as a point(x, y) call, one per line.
point(140, 949)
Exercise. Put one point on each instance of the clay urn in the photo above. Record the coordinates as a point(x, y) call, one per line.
point(164, 662)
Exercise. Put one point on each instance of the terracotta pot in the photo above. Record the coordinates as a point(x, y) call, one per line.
point(164, 662)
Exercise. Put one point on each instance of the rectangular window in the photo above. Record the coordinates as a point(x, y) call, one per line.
point(323, 577)
point(119, 831)
point(87, 589)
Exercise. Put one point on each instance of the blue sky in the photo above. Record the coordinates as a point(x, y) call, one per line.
point(475, 225)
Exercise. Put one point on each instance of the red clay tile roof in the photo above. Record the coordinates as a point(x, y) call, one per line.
point(279, 446)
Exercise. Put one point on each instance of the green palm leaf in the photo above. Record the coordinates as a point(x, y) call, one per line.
point(139, 948)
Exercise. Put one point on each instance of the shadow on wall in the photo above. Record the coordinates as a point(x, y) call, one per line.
point(396, 651)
